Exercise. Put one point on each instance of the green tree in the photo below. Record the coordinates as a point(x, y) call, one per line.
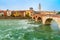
point(58, 13)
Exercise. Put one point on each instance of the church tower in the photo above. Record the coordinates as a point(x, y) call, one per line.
point(39, 7)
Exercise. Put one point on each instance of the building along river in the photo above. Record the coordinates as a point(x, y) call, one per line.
point(27, 29)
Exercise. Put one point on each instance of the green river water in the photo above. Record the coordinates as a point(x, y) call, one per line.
point(26, 29)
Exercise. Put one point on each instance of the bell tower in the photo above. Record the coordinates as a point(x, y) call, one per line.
point(39, 7)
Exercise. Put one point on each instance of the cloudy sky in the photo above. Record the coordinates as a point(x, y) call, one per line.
point(25, 4)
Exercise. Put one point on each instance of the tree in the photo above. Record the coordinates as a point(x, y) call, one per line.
point(58, 13)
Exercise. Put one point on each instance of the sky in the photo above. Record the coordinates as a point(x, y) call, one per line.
point(26, 4)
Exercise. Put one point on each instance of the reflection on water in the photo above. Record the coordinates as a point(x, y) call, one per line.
point(54, 25)
point(27, 30)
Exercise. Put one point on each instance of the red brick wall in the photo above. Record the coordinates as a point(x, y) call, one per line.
point(5, 13)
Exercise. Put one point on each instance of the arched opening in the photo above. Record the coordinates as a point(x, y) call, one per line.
point(34, 18)
point(48, 21)
point(39, 19)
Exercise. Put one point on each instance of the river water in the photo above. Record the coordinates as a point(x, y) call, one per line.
point(26, 29)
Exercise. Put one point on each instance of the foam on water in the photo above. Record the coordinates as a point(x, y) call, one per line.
point(25, 30)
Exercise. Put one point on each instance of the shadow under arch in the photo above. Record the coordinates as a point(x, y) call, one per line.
point(34, 18)
point(48, 21)
point(39, 19)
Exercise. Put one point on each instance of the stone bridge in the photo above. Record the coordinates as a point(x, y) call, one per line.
point(46, 19)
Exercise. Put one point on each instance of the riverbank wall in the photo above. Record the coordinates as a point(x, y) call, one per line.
point(10, 17)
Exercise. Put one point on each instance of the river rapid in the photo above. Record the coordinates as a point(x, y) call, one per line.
point(27, 29)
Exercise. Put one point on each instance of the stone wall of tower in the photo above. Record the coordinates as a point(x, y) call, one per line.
point(39, 7)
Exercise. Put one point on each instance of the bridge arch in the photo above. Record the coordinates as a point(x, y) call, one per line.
point(34, 18)
point(53, 19)
point(48, 20)
point(39, 19)
point(57, 20)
